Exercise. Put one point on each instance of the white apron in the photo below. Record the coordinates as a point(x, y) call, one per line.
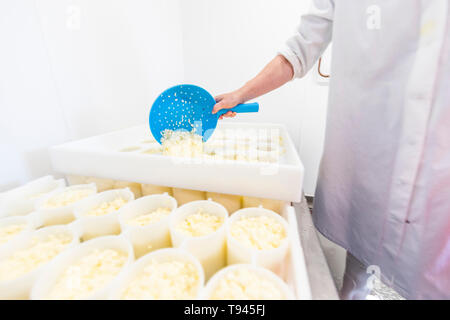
point(384, 185)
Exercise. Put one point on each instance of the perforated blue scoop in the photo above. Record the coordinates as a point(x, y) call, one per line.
point(188, 107)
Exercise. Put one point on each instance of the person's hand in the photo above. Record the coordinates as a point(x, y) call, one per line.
point(227, 101)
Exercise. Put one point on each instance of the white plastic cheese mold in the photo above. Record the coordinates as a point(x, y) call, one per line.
point(63, 214)
point(121, 155)
point(260, 273)
point(101, 225)
point(50, 276)
point(22, 200)
point(160, 256)
point(28, 224)
point(154, 235)
point(19, 288)
point(240, 253)
point(209, 248)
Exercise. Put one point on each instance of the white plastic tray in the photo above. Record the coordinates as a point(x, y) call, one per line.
point(104, 157)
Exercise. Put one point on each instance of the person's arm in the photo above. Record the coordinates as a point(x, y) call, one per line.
point(276, 73)
point(300, 53)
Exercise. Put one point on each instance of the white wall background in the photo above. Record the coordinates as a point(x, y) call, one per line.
point(72, 69)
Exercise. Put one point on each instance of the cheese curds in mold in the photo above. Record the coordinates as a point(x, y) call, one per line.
point(88, 274)
point(246, 282)
point(258, 232)
point(66, 198)
point(168, 280)
point(9, 232)
point(40, 251)
point(106, 207)
point(149, 218)
point(199, 224)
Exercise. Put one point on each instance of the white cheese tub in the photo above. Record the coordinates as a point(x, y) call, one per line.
point(22, 200)
point(161, 256)
point(153, 236)
point(29, 223)
point(50, 276)
point(209, 249)
point(259, 272)
point(63, 214)
point(237, 252)
point(20, 288)
point(102, 225)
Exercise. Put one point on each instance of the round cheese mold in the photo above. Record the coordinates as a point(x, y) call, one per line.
point(98, 215)
point(22, 200)
point(14, 228)
point(168, 274)
point(200, 234)
point(11, 227)
point(23, 262)
point(246, 282)
point(258, 236)
point(149, 218)
point(39, 251)
point(66, 197)
point(88, 271)
point(58, 206)
point(199, 224)
point(106, 207)
point(258, 232)
point(146, 222)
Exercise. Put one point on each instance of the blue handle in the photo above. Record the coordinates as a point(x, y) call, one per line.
point(241, 108)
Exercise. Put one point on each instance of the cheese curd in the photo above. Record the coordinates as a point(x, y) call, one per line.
point(199, 224)
point(9, 232)
point(245, 284)
point(149, 218)
point(182, 144)
point(67, 197)
point(106, 207)
point(40, 251)
point(260, 232)
point(89, 274)
point(173, 280)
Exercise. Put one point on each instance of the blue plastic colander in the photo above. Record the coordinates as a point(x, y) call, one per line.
point(187, 107)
